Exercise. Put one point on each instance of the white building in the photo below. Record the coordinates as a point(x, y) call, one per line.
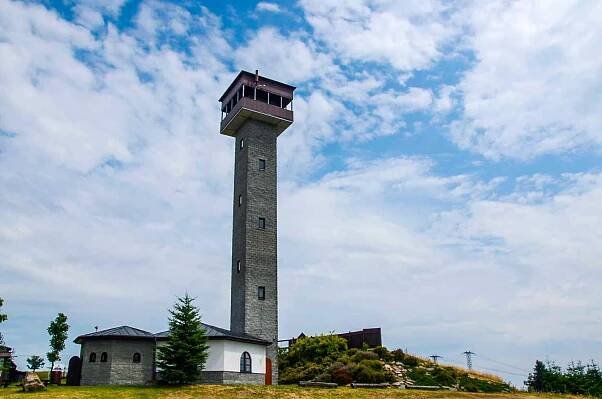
point(127, 356)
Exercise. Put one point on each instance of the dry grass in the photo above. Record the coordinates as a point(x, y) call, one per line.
point(251, 392)
point(476, 374)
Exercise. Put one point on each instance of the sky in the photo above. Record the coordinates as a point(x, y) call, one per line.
point(442, 179)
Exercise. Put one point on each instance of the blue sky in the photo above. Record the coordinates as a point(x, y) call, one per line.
point(442, 178)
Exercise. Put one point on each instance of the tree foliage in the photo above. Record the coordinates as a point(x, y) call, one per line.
point(184, 356)
point(35, 362)
point(3, 317)
point(578, 379)
point(57, 330)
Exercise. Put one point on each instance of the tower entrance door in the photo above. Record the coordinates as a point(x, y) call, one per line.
point(268, 371)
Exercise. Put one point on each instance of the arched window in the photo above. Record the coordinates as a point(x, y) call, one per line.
point(92, 357)
point(245, 362)
point(136, 358)
point(104, 357)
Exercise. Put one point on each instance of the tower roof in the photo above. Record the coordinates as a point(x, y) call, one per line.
point(246, 76)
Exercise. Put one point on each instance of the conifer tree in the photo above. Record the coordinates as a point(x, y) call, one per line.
point(183, 358)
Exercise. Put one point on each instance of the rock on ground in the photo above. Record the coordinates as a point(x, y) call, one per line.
point(32, 383)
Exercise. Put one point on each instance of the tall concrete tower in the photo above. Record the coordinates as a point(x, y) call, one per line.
point(255, 110)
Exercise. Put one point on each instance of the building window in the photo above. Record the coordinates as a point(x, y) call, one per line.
point(262, 164)
point(239, 200)
point(136, 358)
point(261, 293)
point(92, 357)
point(261, 223)
point(242, 143)
point(237, 266)
point(103, 357)
point(245, 362)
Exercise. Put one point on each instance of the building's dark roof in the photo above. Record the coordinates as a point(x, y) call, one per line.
point(117, 332)
point(127, 332)
point(214, 332)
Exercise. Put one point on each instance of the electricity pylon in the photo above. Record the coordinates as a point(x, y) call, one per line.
point(469, 359)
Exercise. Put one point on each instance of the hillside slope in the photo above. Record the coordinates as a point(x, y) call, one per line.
point(327, 359)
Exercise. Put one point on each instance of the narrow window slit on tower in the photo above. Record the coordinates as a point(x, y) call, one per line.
point(237, 266)
point(239, 200)
point(262, 164)
point(242, 143)
point(261, 223)
point(261, 293)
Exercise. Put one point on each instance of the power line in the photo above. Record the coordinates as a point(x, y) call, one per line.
point(503, 371)
point(504, 364)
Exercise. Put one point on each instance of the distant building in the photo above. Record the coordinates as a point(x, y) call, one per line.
point(255, 111)
point(8, 368)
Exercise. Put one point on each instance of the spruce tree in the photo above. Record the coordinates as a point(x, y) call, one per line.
point(183, 358)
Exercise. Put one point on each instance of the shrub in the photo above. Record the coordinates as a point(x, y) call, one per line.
point(444, 376)
point(410, 361)
point(383, 353)
point(305, 372)
point(324, 348)
point(468, 384)
point(371, 371)
point(397, 355)
point(421, 377)
point(340, 374)
point(364, 355)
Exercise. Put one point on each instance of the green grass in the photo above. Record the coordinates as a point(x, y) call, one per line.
point(247, 391)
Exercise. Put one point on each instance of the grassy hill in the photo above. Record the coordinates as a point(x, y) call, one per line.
point(327, 359)
point(254, 392)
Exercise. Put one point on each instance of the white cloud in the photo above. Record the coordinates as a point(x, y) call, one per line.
point(111, 152)
point(90, 13)
point(268, 7)
point(407, 35)
point(535, 85)
point(282, 56)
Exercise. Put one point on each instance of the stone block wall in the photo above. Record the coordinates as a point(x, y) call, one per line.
point(119, 369)
point(256, 248)
point(229, 377)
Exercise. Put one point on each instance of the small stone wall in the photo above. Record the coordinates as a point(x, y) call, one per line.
point(231, 377)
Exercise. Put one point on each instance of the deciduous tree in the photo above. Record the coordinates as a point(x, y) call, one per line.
point(35, 362)
point(58, 335)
